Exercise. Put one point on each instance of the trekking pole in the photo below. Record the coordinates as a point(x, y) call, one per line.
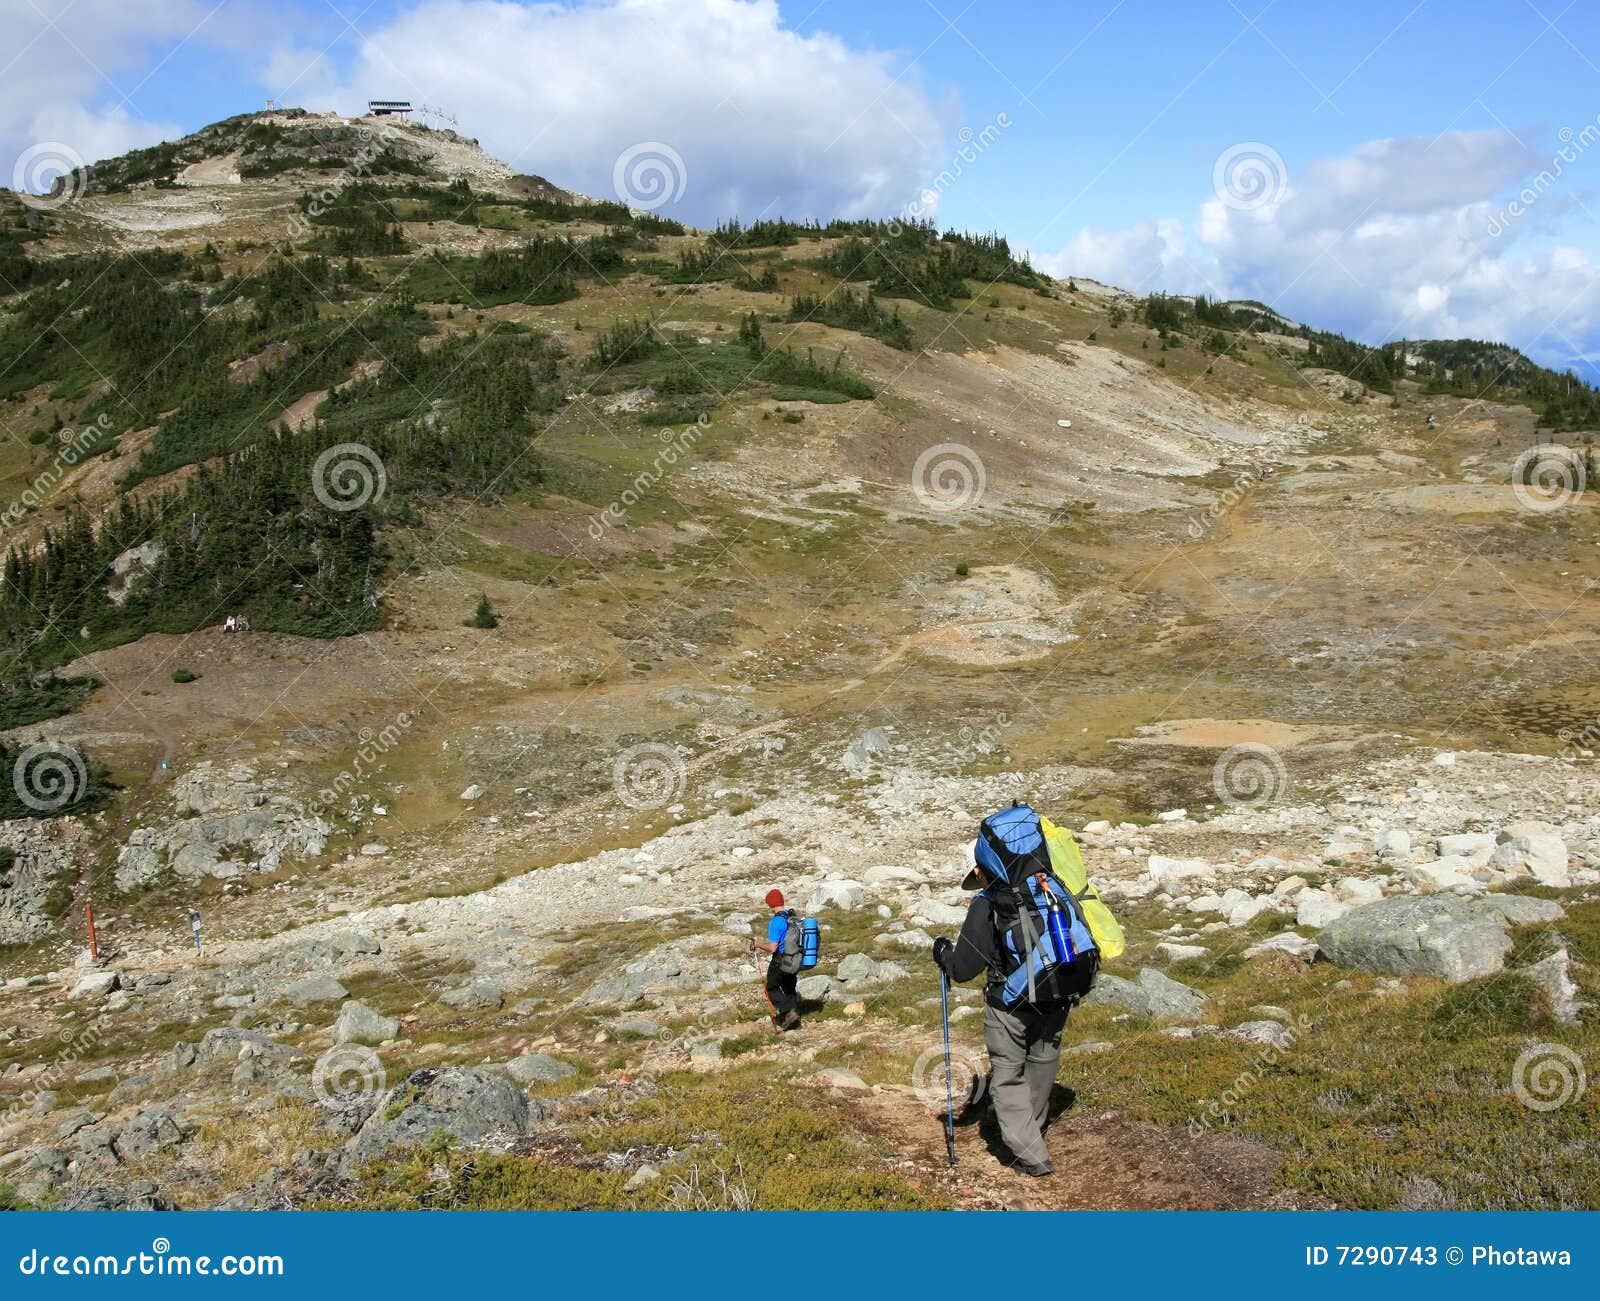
point(949, 1087)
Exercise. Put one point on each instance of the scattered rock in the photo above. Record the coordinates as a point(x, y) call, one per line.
point(1540, 854)
point(477, 994)
point(1270, 1033)
point(848, 895)
point(473, 792)
point(1153, 994)
point(539, 1068)
point(359, 1024)
point(146, 1132)
point(1553, 976)
point(96, 984)
point(1316, 908)
point(641, 1178)
point(1394, 842)
point(315, 989)
point(837, 1078)
point(817, 989)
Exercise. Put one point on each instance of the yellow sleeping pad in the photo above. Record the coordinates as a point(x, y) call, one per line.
point(1066, 861)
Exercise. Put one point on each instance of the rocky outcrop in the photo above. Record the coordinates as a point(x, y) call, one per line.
point(228, 824)
point(467, 1104)
point(1442, 935)
point(37, 879)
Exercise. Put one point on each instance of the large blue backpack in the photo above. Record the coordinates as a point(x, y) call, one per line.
point(1031, 969)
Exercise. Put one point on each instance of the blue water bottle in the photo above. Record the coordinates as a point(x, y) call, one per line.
point(1060, 928)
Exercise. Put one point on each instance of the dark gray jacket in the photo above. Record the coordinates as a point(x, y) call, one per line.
point(974, 951)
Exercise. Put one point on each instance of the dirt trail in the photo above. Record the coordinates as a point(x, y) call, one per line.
point(1102, 1160)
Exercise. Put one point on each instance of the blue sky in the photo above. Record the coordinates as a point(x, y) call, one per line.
point(1387, 141)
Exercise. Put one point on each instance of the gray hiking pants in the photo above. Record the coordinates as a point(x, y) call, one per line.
point(1024, 1050)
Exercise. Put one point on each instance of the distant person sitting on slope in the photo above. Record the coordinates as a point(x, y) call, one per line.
point(782, 996)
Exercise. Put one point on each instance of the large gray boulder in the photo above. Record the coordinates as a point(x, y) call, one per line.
point(848, 895)
point(473, 996)
point(817, 989)
point(146, 1132)
point(1520, 909)
point(855, 968)
point(1153, 994)
point(469, 1105)
point(539, 1068)
point(359, 1024)
point(1542, 855)
point(315, 989)
point(1442, 935)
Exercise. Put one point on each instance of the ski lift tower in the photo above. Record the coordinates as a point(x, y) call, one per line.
point(434, 116)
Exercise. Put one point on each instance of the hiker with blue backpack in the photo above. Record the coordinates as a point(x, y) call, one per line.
point(1038, 930)
point(794, 945)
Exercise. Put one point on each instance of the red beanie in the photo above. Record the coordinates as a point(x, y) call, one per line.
point(774, 898)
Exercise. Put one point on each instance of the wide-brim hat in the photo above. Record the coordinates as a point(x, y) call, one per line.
point(982, 857)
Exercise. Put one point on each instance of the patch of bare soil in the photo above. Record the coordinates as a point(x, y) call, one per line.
point(1221, 733)
point(301, 413)
point(1103, 1161)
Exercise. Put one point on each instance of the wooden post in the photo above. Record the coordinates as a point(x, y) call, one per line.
point(94, 947)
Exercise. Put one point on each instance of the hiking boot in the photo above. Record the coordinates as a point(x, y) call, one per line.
point(791, 1021)
point(1035, 1169)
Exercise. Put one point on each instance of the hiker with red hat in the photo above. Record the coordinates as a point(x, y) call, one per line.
point(782, 996)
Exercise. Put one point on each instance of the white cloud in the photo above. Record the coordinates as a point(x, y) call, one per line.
point(1147, 256)
point(74, 72)
point(1390, 240)
point(766, 121)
